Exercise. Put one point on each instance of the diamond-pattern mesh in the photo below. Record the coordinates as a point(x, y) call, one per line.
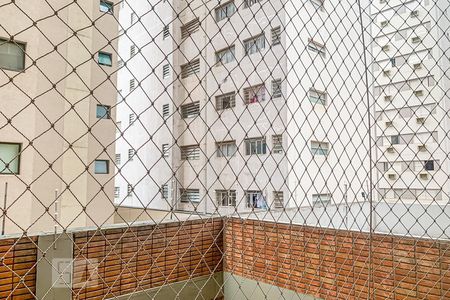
point(242, 149)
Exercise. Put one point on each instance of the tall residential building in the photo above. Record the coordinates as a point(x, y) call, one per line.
point(57, 129)
point(410, 63)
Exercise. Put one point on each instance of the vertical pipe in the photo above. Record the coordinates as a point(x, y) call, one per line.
point(4, 208)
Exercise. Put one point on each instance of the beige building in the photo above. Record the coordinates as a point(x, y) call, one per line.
point(57, 98)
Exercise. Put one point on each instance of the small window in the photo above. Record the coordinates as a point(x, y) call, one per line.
point(255, 199)
point(166, 71)
point(131, 118)
point(165, 150)
point(226, 197)
point(118, 159)
point(166, 32)
point(189, 28)
point(225, 56)
point(132, 50)
point(255, 146)
point(165, 110)
point(278, 201)
point(276, 35)
point(101, 167)
point(248, 3)
point(429, 165)
point(12, 55)
point(191, 152)
point(276, 88)
point(277, 143)
point(316, 47)
point(189, 195)
point(226, 101)
point(225, 11)
point(116, 192)
point(395, 139)
point(190, 110)
point(10, 158)
point(255, 44)
point(319, 148)
point(254, 94)
point(317, 97)
point(105, 59)
point(190, 68)
point(165, 191)
point(226, 149)
point(131, 153)
point(321, 199)
point(129, 190)
point(132, 84)
point(103, 112)
point(106, 6)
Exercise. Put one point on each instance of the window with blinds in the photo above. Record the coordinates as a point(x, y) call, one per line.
point(225, 56)
point(166, 71)
point(131, 153)
point(116, 192)
point(316, 47)
point(132, 84)
point(226, 101)
point(276, 88)
point(165, 110)
point(190, 110)
point(189, 28)
point(165, 191)
point(12, 55)
point(131, 118)
point(255, 146)
point(248, 3)
point(278, 201)
point(165, 150)
point(190, 68)
point(189, 195)
point(226, 149)
point(118, 159)
point(225, 11)
point(166, 32)
point(277, 143)
point(254, 94)
point(255, 44)
point(132, 50)
point(191, 152)
point(276, 35)
point(226, 197)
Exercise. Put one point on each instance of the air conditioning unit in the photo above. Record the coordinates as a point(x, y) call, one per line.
point(416, 40)
point(423, 176)
point(422, 148)
point(418, 93)
point(414, 14)
point(384, 23)
point(387, 73)
point(388, 124)
point(390, 149)
point(385, 48)
point(392, 176)
point(420, 120)
point(417, 66)
point(388, 98)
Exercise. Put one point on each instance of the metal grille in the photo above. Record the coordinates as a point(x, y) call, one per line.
point(244, 149)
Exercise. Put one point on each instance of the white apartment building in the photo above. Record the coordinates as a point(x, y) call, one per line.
point(57, 97)
point(411, 104)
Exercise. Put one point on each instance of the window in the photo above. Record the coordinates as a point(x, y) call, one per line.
point(118, 159)
point(321, 199)
point(116, 192)
point(120, 63)
point(319, 148)
point(190, 68)
point(129, 190)
point(225, 11)
point(106, 6)
point(429, 165)
point(316, 47)
point(131, 118)
point(165, 150)
point(255, 146)
point(165, 110)
point(105, 59)
point(166, 32)
point(132, 50)
point(10, 158)
point(189, 28)
point(191, 152)
point(276, 88)
point(131, 153)
point(225, 56)
point(395, 139)
point(103, 111)
point(226, 101)
point(254, 94)
point(277, 143)
point(226, 149)
point(132, 18)
point(12, 55)
point(226, 197)
point(165, 191)
point(278, 201)
point(276, 35)
point(190, 110)
point(392, 61)
point(248, 3)
point(317, 97)
point(189, 195)
point(255, 199)
point(132, 84)
point(255, 44)
point(166, 71)
point(101, 167)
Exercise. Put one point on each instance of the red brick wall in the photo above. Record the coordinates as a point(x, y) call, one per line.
point(143, 257)
point(335, 264)
point(18, 260)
